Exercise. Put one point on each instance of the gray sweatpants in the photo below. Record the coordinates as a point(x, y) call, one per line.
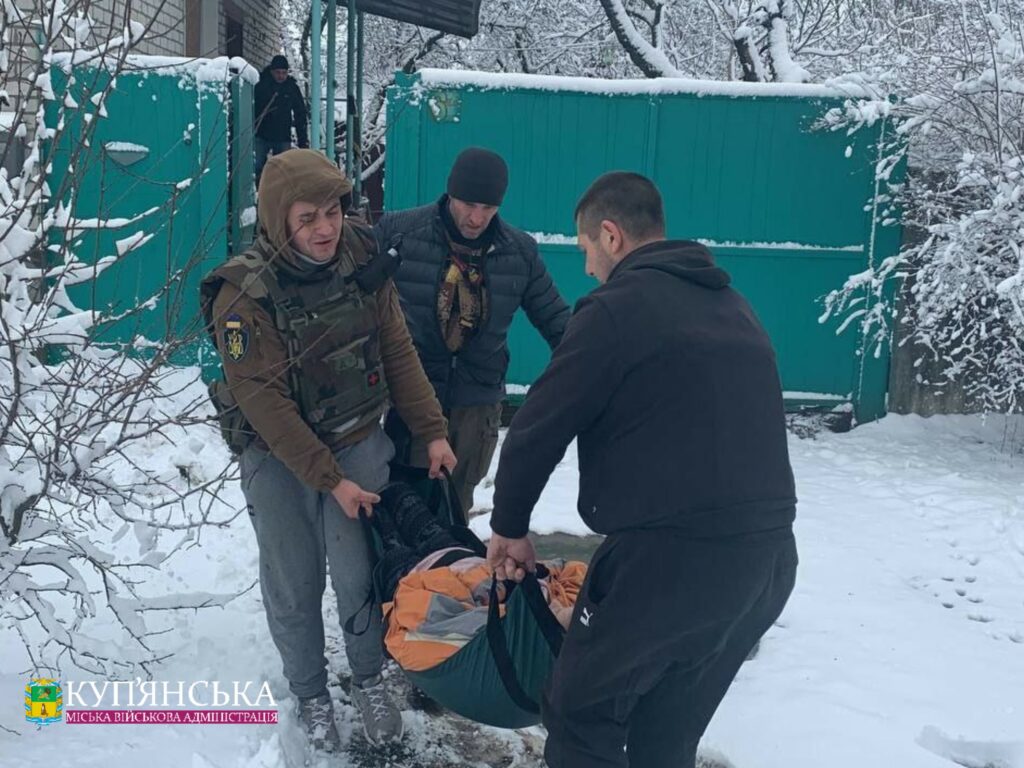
point(299, 533)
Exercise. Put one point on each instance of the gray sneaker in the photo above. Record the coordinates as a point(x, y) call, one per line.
point(382, 721)
point(317, 718)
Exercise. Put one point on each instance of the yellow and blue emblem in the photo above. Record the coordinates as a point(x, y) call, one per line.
point(44, 702)
point(235, 337)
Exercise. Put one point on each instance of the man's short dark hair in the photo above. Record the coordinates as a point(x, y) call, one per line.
point(629, 199)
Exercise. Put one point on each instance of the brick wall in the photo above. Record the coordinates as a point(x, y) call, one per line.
point(165, 20)
point(261, 28)
point(169, 22)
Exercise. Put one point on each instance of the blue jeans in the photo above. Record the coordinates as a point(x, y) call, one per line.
point(263, 148)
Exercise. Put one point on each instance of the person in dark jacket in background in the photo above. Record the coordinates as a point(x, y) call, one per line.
point(277, 104)
point(464, 274)
point(669, 384)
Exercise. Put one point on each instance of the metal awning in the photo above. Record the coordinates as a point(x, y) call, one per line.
point(457, 17)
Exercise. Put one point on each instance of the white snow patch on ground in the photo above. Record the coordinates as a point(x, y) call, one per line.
point(902, 646)
point(903, 642)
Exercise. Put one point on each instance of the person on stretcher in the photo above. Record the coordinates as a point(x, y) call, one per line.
point(435, 588)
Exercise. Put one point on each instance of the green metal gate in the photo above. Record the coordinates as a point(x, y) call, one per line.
point(787, 210)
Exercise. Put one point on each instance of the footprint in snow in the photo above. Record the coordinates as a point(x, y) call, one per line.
point(983, 754)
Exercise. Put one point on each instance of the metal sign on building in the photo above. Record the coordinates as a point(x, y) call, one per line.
point(458, 17)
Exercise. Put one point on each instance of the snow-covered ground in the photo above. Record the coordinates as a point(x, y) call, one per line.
point(902, 646)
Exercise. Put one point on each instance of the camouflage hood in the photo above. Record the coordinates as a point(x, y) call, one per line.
point(298, 174)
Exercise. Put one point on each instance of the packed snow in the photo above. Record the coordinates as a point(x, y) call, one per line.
point(218, 69)
point(548, 238)
point(433, 78)
point(902, 645)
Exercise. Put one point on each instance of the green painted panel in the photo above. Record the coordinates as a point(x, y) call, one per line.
point(528, 352)
point(177, 170)
point(750, 170)
point(781, 285)
point(776, 282)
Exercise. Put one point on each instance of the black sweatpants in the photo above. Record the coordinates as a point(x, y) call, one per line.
point(659, 631)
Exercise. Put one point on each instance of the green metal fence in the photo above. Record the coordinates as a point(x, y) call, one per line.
point(171, 163)
point(787, 210)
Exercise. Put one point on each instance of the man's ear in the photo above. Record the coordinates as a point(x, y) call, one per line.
point(612, 236)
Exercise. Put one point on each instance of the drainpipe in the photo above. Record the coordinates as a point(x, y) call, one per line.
point(314, 78)
point(350, 112)
point(358, 121)
point(332, 68)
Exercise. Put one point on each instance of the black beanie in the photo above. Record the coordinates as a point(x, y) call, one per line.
point(279, 62)
point(478, 176)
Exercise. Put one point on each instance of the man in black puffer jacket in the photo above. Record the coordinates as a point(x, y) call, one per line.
point(464, 274)
point(669, 384)
point(277, 103)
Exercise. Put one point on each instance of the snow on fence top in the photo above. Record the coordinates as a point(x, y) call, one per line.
point(546, 238)
point(219, 69)
point(838, 88)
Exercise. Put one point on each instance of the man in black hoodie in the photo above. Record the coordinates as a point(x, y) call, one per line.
point(277, 102)
point(669, 384)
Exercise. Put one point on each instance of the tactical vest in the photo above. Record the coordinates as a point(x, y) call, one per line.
point(329, 323)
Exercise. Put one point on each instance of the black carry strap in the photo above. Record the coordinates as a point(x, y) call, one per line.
point(350, 623)
point(456, 514)
point(460, 533)
point(459, 530)
point(452, 556)
point(546, 622)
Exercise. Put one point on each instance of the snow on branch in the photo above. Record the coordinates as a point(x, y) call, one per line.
point(650, 60)
point(962, 276)
point(98, 439)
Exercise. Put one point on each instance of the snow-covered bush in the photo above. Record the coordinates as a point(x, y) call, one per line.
point(963, 129)
point(93, 440)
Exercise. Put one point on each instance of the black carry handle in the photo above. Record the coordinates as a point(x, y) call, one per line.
point(350, 623)
point(546, 622)
point(456, 514)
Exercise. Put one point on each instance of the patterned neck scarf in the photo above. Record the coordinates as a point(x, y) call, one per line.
point(462, 300)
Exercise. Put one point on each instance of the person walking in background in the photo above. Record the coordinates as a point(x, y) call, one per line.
point(277, 106)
